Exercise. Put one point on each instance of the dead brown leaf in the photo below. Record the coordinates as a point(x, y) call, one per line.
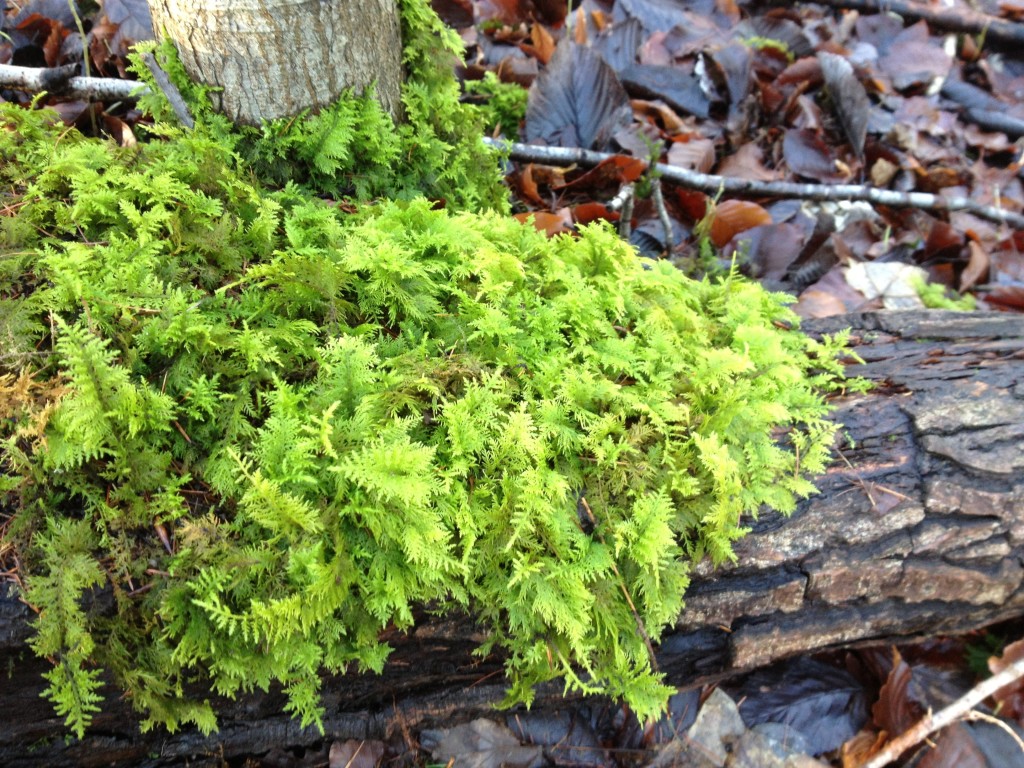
point(747, 162)
point(977, 266)
point(1009, 699)
point(696, 154)
point(734, 216)
point(549, 223)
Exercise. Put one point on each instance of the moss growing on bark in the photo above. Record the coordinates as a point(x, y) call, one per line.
point(272, 428)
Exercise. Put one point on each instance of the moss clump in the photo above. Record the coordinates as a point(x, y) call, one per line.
point(352, 149)
point(271, 429)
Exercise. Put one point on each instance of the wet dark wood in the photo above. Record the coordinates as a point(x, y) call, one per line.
point(918, 530)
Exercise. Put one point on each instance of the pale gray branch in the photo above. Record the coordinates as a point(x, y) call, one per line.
point(961, 19)
point(170, 90)
point(55, 80)
point(712, 184)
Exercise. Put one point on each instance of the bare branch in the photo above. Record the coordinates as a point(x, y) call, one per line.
point(170, 90)
point(562, 156)
point(56, 80)
point(960, 708)
point(961, 19)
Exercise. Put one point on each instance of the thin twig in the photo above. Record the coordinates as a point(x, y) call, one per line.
point(170, 90)
point(666, 222)
point(962, 19)
point(1002, 725)
point(623, 201)
point(960, 708)
point(712, 184)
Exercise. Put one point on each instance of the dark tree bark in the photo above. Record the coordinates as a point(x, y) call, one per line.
point(918, 530)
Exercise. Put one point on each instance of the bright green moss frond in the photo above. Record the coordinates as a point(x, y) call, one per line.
point(294, 425)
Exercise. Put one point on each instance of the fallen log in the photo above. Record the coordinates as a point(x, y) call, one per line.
point(918, 530)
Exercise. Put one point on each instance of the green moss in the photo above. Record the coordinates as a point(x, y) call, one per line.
point(761, 43)
point(352, 149)
point(935, 296)
point(504, 106)
point(272, 429)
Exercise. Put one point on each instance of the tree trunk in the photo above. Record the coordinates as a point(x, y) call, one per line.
point(918, 530)
point(275, 58)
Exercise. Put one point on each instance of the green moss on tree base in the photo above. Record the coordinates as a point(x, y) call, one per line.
point(272, 429)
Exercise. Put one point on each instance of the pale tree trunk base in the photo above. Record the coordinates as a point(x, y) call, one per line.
point(918, 531)
point(276, 58)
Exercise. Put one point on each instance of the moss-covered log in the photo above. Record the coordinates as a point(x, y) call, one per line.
point(917, 531)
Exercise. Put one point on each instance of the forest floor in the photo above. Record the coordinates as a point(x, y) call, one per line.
point(857, 157)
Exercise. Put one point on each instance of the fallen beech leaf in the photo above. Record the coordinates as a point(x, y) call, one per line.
point(654, 52)
point(481, 744)
point(882, 172)
point(956, 747)
point(579, 28)
point(1010, 698)
point(528, 187)
point(696, 154)
point(769, 250)
point(567, 738)
point(662, 14)
point(619, 43)
point(549, 223)
point(993, 142)
point(71, 111)
point(896, 710)
point(912, 62)
point(692, 203)
point(119, 130)
point(133, 20)
point(802, 71)
point(509, 12)
point(1007, 265)
point(613, 171)
point(680, 91)
point(457, 14)
point(734, 63)
point(815, 302)
point(747, 163)
point(585, 213)
point(543, 42)
point(669, 120)
point(576, 102)
point(862, 748)
point(522, 70)
point(807, 155)
point(891, 281)
point(943, 241)
point(356, 753)
point(1006, 297)
point(785, 31)
point(734, 216)
point(977, 266)
point(549, 175)
point(553, 12)
point(826, 705)
point(849, 99)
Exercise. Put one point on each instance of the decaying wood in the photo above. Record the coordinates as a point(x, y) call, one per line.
point(918, 530)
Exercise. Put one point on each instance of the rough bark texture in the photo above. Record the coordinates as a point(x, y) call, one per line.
point(275, 58)
point(918, 530)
